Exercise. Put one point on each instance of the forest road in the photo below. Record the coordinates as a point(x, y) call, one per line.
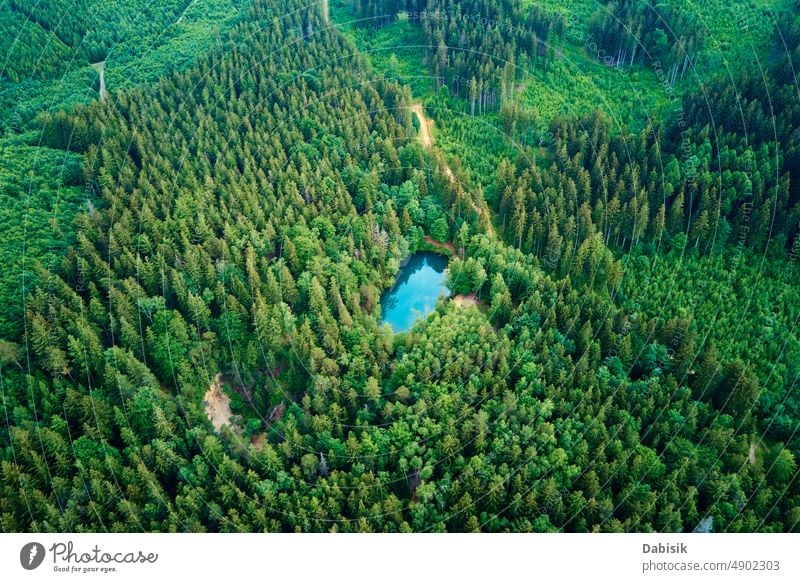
point(424, 127)
point(101, 70)
point(426, 138)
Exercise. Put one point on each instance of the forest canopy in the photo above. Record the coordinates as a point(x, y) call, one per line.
point(195, 340)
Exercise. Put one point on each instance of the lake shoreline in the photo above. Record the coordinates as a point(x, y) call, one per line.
point(418, 286)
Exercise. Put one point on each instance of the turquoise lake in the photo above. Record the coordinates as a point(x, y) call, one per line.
point(419, 284)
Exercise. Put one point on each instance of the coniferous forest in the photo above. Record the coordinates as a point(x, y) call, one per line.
point(205, 207)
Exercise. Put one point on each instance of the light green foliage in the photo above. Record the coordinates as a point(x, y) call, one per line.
point(577, 85)
point(47, 61)
point(396, 50)
point(734, 30)
point(738, 33)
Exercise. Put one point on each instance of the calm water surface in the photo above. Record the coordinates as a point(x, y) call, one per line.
point(419, 285)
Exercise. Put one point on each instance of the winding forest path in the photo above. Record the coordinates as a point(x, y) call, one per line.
point(101, 70)
point(424, 127)
point(426, 137)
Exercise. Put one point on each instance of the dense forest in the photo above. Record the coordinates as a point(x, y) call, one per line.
point(52, 51)
point(41, 189)
point(54, 32)
point(629, 357)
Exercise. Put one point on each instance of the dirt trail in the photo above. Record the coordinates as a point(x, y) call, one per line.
point(101, 70)
point(424, 129)
point(751, 454)
point(218, 404)
point(426, 137)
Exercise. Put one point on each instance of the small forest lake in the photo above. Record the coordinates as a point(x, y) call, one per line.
point(419, 284)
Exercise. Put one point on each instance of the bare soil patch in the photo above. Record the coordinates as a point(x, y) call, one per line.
point(440, 245)
point(217, 404)
point(465, 300)
point(258, 441)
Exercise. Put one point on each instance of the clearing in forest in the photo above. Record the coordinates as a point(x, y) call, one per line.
point(218, 404)
point(465, 300)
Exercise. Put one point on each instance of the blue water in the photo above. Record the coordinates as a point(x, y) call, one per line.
point(419, 285)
